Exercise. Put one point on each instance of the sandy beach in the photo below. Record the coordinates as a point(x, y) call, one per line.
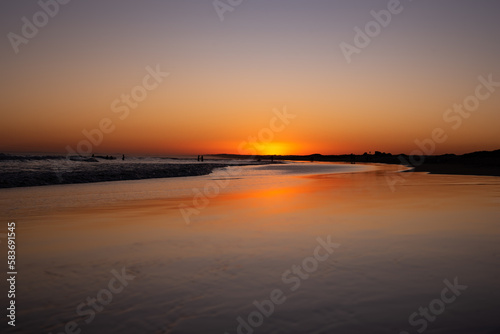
point(103, 173)
point(394, 252)
point(30, 171)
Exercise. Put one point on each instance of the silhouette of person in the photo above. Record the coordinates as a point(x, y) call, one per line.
point(202, 158)
point(123, 157)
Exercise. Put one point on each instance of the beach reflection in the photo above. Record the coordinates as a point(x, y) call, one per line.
point(396, 250)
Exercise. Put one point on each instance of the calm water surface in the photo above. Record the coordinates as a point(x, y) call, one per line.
point(394, 251)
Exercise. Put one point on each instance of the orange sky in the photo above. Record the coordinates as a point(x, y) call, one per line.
point(226, 78)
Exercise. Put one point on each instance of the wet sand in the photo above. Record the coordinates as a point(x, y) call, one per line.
point(396, 249)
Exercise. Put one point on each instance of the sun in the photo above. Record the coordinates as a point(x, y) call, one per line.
point(275, 149)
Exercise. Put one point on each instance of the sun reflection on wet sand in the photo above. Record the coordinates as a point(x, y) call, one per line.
point(397, 247)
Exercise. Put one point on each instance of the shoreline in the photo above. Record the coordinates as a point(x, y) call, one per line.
point(106, 173)
point(143, 171)
point(480, 163)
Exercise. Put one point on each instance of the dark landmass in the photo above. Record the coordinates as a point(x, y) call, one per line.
point(476, 163)
point(103, 173)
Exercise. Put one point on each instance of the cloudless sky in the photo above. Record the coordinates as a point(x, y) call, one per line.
point(226, 77)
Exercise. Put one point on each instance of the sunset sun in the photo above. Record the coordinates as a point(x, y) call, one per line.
point(276, 149)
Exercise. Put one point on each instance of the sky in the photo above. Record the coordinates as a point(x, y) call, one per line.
point(270, 77)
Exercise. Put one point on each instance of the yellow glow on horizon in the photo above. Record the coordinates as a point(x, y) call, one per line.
point(275, 149)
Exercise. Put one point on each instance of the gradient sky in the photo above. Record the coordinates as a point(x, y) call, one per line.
point(226, 77)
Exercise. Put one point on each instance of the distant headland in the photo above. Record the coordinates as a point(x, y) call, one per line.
point(475, 163)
